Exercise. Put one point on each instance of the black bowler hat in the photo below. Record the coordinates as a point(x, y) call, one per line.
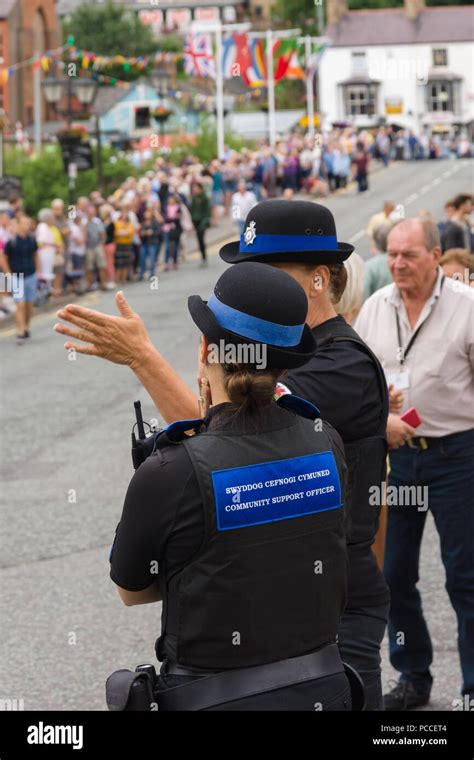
point(257, 303)
point(288, 231)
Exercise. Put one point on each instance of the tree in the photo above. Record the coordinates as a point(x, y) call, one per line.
point(298, 13)
point(111, 29)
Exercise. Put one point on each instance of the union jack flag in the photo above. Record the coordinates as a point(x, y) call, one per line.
point(198, 58)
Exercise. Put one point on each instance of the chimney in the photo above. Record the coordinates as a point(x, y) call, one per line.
point(413, 8)
point(335, 10)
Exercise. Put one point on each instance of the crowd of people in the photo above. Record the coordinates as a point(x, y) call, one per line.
point(140, 229)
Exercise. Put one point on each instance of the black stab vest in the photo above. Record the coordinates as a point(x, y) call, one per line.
point(263, 591)
point(366, 462)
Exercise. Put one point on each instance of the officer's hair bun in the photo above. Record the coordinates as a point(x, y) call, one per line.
point(249, 389)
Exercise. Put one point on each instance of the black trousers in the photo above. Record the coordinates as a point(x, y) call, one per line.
point(360, 635)
point(200, 233)
point(323, 694)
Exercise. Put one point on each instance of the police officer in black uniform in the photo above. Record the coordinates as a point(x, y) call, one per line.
point(244, 518)
point(346, 381)
point(343, 379)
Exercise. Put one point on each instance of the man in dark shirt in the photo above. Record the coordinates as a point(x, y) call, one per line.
point(457, 231)
point(21, 264)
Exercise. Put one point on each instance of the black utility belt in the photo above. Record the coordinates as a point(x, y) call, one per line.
point(427, 442)
point(232, 685)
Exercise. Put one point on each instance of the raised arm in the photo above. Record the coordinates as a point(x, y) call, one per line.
point(125, 340)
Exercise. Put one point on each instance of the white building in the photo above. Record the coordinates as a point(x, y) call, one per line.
point(411, 66)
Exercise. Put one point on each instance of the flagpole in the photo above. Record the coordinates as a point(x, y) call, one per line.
point(309, 86)
point(219, 93)
point(271, 90)
point(37, 115)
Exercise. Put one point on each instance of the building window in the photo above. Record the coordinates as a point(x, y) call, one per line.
point(142, 118)
point(359, 62)
point(440, 96)
point(360, 99)
point(440, 57)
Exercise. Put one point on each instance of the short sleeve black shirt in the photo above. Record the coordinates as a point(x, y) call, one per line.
point(340, 379)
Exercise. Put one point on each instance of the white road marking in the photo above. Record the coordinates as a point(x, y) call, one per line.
point(357, 236)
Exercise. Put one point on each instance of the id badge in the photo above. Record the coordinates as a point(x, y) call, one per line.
point(400, 380)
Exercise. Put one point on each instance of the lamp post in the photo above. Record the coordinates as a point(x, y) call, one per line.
point(85, 91)
point(159, 79)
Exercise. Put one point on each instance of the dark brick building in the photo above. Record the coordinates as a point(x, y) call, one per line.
point(26, 27)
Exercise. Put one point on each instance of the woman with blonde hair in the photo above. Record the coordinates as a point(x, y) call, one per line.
point(352, 298)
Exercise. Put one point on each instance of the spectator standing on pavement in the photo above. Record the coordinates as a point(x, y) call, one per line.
point(361, 168)
point(383, 144)
point(377, 274)
point(60, 220)
point(200, 209)
point(77, 245)
point(217, 191)
point(6, 231)
point(21, 262)
point(242, 202)
point(380, 219)
point(150, 234)
point(49, 247)
point(105, 214)
point(458, 264)
point(457, 232)
point(95, 256)
point(421, 329)
point(448, 212)
point(124, 232)
point(173, 229)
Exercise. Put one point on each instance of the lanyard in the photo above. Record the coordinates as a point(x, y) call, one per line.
point(404, 352)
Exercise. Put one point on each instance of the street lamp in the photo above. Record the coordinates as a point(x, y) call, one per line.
point(53, 89)
point(159, 80)
point(85, 91)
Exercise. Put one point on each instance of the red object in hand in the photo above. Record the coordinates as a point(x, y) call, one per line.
point(411, 417)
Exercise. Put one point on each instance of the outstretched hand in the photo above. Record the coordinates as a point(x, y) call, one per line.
point(121, 339)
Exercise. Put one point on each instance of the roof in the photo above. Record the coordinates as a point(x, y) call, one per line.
point(69, 6)
point(6, 7)
point(391, 26)
point(106, 98)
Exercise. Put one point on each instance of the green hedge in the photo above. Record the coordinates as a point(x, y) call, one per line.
point(44, 178)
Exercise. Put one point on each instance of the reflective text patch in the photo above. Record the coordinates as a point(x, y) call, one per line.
point(271, 491)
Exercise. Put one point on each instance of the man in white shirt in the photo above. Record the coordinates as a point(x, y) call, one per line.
point(242, 203)
point(421, 328)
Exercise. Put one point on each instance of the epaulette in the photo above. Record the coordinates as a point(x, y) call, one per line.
point(175, 432)
point(287, 400)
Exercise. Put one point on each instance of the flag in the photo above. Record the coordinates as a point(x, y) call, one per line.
point(258, 72)
point(282, 53)
point(198, 57)
point(295, 70)
point(313, 64)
